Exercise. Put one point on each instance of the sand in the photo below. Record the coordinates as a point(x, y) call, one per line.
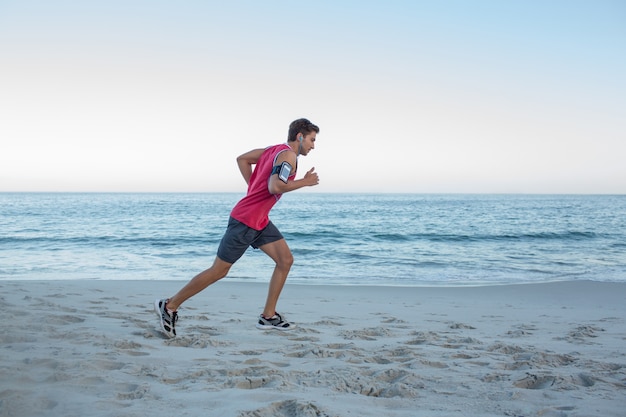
point(93, 348)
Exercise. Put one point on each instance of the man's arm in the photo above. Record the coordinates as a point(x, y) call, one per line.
point(245, 162)
point(276, 186)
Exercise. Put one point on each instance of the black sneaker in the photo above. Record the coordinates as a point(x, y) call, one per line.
point(168, 321)
point(275, 322)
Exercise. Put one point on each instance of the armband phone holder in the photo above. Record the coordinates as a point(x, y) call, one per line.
point(283, 170)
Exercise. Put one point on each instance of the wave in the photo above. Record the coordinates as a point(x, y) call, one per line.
point(114, 241)
point(548, 236)
point(439, 237)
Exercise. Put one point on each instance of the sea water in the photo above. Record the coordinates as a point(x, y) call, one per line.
point(338, 239)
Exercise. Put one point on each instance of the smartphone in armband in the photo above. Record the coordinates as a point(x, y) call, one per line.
point(283, 170)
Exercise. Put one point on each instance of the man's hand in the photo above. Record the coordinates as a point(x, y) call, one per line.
point(276, 186)
point(311, 178)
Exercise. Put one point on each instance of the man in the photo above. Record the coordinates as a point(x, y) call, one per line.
point(249, 224)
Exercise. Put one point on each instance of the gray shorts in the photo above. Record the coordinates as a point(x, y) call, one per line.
point(239, 237)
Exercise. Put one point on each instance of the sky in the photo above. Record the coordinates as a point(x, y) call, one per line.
point(410, 96)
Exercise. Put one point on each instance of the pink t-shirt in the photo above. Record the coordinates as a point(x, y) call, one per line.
point(253, 210)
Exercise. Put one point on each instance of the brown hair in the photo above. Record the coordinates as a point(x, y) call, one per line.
point(303, 126)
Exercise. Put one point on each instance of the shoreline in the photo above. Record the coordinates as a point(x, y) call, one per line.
point(78, 347)
point(320, 283)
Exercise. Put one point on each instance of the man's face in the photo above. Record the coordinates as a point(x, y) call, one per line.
point(308, 143)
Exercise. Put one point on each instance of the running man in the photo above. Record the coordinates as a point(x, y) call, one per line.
point(273, 175)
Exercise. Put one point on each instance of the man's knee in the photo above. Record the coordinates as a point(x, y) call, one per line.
point(285, 260)
point(221, 267)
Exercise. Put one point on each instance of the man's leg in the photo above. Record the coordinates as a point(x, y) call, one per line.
point(217, 271)
point(281, 254)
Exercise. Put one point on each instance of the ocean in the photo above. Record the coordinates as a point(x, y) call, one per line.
point(336, 239)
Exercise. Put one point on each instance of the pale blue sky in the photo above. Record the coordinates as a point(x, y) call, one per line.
point(411, 96)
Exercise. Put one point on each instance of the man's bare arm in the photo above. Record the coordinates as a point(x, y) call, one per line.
point(276, 186)
point(245, 162)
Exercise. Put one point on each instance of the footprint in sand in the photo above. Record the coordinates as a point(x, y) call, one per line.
point(199, 342)
point(372, 333)
point(253, 383)
point(327, 323)
point(132, 391)
point(582, 334)
point(532, 381)
point(61, 319)
point(584, 380)
point(289, 408)
point(456, 326)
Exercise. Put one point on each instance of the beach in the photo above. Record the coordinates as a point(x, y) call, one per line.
point(93, 347)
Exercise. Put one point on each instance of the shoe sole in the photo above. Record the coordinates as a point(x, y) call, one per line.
point(270, 327)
